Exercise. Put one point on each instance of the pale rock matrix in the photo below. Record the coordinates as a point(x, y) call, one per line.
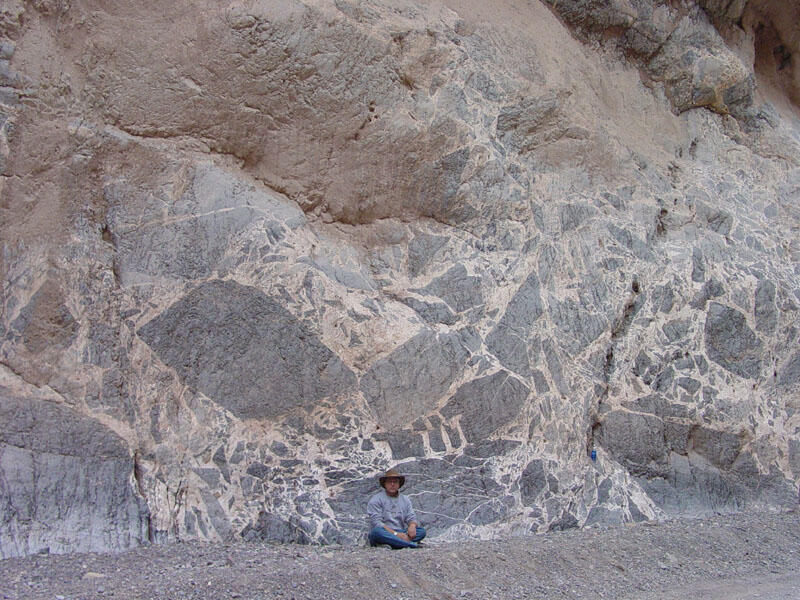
point(254, 253)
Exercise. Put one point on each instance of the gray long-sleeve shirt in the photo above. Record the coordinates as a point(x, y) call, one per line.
point(385, 511)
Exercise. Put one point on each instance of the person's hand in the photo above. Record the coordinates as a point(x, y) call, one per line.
point(403, 536)
point(412, 532)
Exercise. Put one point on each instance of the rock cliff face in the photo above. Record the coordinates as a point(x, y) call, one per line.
point(255, 253)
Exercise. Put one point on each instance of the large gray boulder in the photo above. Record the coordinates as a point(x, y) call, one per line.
point(245, 351)
point(67, 482)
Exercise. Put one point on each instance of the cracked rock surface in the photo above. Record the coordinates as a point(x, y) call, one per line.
point(253, 254)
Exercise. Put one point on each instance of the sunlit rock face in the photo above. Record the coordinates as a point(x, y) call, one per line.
point(253, 254)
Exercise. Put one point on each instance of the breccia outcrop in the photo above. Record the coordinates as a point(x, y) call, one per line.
point(254, 253)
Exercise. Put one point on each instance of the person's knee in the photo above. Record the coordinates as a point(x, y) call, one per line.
point(376, 534)
point(420, 533)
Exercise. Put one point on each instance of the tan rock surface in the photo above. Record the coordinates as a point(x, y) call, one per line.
point(276, 248)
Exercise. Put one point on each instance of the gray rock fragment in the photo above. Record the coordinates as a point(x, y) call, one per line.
point(436, 441)
point(46, 322)
point(421, 250)
point(698, 265)
point(406, 444)
point(459, 290)
point(408, 382)
point(273, 528)
point(431, 312)
point(601, 515)
point(685, 468)
point(555, 368)
point(217, 515)
point(532, 482)
point(65, 482)
point(192, 240)
point(635, 439)
point(794, 457)
point(764, 308)
point(676, 329)
point(730, 342)
point(510, 339)
point(571, 216)
point(487, 404)
point(720, 448)
point(245, 351)
point(790, 372)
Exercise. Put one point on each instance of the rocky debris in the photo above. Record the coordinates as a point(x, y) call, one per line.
point(271, 249)
point(753, 553)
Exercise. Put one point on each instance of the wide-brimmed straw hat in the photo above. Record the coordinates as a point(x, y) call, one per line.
point(391, 473)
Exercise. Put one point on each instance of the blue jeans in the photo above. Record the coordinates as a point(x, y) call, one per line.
point(379, 535)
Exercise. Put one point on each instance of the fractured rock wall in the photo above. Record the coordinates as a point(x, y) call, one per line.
point(255, 253)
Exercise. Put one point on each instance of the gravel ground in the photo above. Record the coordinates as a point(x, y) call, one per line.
point(750, 555)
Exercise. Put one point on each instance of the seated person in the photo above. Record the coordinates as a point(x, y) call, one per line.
point(392, 520)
